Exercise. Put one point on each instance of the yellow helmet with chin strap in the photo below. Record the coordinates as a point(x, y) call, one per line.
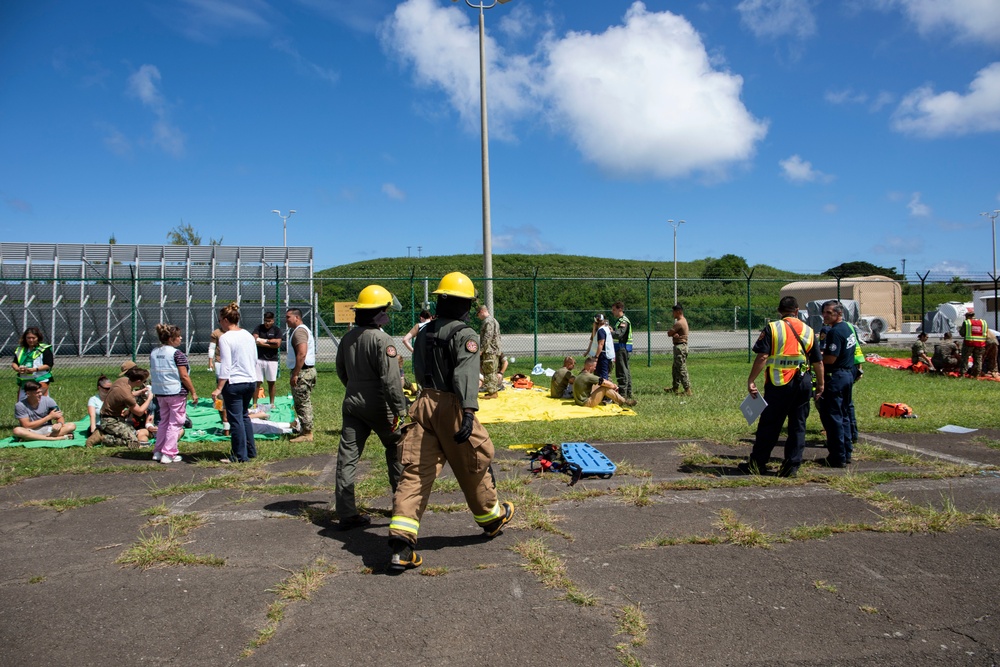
point(456, 284)
point(373, 296)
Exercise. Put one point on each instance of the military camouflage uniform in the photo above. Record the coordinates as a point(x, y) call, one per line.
point(489, 338)
point(302, 398)
point(118, 432)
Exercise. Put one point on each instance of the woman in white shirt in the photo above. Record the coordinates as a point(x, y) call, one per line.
point(237, 382)
point(96, 402)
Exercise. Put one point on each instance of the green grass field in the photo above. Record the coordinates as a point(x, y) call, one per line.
point(712, 413)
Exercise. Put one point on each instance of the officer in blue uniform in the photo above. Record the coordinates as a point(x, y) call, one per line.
point(834, 406)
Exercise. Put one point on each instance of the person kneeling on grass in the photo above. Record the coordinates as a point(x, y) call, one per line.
point(39, 416)
point(589, 390)
point(116, 429)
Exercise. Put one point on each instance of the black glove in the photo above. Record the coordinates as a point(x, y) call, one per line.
point(466, 430)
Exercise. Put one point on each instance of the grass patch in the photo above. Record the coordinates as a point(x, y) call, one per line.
point(632, 622)
point(156, 510)
point(821, 585)
point(434, 571)
point(692, 454)
point(163, 550)
point(181, 524)
point(445, 485)
point(296, 587)
point(742, 534)
point(629, 469)
point(68, 503)
point(37, 579)
point(446, 508)
point(662, 541)
point(986, 441)
point(550, 570)
point(868, 609)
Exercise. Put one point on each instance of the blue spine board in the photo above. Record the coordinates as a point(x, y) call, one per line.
point(590, 460)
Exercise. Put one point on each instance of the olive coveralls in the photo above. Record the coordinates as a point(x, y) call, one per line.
point(367, 364)
point(446, 362)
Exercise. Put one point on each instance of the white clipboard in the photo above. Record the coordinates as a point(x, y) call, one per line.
point(752, 407)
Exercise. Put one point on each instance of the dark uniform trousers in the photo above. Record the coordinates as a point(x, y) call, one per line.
point(791, 402)
point(427, 442)
point(835, 413)
point(359, 423)
point(622, 373)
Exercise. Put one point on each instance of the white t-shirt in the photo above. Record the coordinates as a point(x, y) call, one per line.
point(96, 403)
point(238, 351)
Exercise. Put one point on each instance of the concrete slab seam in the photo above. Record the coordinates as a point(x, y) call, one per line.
point(186, 502)
point(926, 452)
point(330, 468)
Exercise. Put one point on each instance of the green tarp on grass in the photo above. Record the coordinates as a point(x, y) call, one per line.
point(205, 426)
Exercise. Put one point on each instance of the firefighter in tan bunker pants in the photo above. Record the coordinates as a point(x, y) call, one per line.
point(444, 426)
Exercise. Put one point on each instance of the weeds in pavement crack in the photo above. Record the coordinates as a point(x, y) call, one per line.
point(296, 587)
point(551, 571)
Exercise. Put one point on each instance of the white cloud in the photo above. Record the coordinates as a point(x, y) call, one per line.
point(882, 100)
point(209, 20)
point(969, 19)
point(778, 18)
point(143, 85)
point(797, 170)
point(924, 113)
point(524, 239)
point(442, 45)
point(845, 96)
point(895, 245)
point(950, 268)
point(325, 73)
point(392, 192)
point(640, 99)
point(918, 209)
point(114, 140)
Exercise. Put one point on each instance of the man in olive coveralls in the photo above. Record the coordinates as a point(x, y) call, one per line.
point(444, 426)
point(367, 364)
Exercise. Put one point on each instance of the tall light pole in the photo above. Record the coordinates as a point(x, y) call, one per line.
point(487, 233)
point(675, 225)
point(284, 223)
point(903, 260)
point(993, 218)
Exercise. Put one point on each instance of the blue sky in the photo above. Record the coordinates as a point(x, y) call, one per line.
point(797, 133)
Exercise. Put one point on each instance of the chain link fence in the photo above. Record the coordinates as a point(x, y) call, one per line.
point(99, 322)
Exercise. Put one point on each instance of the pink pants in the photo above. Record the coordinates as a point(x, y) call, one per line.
point(173, 412)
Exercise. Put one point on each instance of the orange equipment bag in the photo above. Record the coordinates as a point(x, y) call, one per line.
point(895, 410)
point(919, 367)
point(521, 381)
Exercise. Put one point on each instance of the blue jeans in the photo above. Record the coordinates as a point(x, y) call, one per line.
point(237, 398)
point(603, 367)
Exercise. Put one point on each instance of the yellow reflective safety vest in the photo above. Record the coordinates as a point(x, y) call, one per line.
point(787, 356)
point(859, 355)
point(974, 332)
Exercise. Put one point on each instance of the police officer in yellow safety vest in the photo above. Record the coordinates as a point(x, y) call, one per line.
point(788, 349)
point(622, 328)
point(368, 365)
point(973, 342)
point(444, 426)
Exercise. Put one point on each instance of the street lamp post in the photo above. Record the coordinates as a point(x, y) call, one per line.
point(284, 224)
point(487, 233)
point(675, 225)
point(993, 218)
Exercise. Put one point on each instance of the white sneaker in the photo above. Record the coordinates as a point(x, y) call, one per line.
point(166, 458)
point(157, 456)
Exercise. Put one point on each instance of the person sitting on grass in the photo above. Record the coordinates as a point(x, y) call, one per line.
point(562, 381)
point(39, 416)
point(116, 429)
point(96, 402)
point(589, 390)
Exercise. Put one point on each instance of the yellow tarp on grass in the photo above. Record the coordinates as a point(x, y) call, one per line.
point(522, 405)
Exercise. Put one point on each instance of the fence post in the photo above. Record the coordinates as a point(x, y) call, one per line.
point(534, 307)
point(923, 309)
point(749, 312)
point(996, 288)
point(649, 318)
point(135, 323)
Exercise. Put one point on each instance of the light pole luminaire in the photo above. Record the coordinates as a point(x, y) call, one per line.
point(487, 232)
point(284, 224)
point(675, 225)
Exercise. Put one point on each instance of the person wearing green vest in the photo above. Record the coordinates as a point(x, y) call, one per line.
point(623, 348)
point(33, 361)
point(859, 358)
